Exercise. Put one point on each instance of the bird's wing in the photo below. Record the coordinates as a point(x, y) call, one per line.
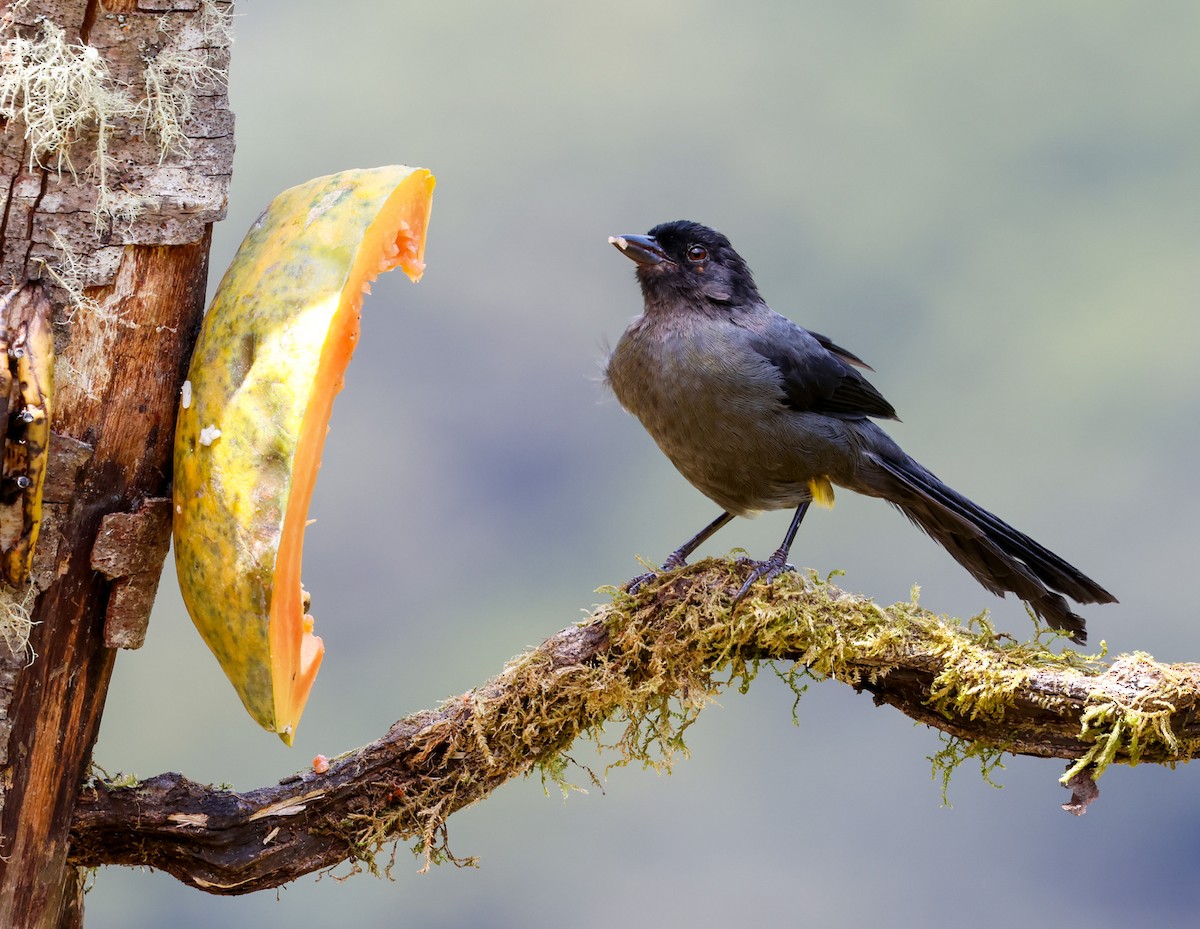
point(843, 353)
point(816, 374)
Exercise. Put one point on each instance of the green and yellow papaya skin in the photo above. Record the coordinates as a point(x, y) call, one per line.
point(254, 411)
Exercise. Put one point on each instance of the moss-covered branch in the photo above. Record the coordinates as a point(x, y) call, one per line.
point(646, 664)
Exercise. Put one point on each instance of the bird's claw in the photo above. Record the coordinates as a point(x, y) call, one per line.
point(636, 583)
point(674, 561)
point(764, 571)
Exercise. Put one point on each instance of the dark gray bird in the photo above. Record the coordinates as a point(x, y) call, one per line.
point(761, 414)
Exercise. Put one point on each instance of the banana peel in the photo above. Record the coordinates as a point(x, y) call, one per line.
point(254, 412)
point(26, 399)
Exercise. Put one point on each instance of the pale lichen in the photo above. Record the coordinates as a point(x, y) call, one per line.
point(67, 271)
point(67, 102)
point(216, 22)
point(16, 622)
point(172, 78)
point(62, 93)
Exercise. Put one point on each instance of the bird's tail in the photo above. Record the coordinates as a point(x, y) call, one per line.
point(1000, 557)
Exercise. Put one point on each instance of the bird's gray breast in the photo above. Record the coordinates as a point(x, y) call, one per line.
point(718, 410)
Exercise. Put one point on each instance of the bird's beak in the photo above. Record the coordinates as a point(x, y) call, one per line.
point(640, 248)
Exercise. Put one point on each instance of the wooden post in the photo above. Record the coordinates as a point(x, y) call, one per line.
point(110, 178)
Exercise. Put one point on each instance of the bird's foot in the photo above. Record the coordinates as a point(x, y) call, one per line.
point(676, 560)
point(764, 571)
point(634, 585)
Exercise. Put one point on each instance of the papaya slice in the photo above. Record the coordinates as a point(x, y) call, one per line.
point(254, 411)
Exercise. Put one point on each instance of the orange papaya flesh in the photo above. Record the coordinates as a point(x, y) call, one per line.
point(255, 408)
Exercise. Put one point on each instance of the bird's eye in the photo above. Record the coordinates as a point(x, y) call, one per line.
point(697, 253)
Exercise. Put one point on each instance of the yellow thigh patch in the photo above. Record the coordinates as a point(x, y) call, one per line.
point(822, 492)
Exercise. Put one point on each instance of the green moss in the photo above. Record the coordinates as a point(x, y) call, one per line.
point(1135, 714)
point(674, 646)
point(954, 752)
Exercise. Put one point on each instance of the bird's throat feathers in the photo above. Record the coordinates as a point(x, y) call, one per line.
point(714, 285)
point(667, 295)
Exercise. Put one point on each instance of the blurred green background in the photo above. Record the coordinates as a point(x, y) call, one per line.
point(995, 203)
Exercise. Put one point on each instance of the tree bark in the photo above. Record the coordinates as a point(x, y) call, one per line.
point(648, 663)
point(109, 222)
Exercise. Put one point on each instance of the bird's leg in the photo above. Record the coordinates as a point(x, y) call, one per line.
point(679, 557)
point(777, 563)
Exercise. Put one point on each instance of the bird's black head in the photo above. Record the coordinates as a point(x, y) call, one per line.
point(685, 261)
